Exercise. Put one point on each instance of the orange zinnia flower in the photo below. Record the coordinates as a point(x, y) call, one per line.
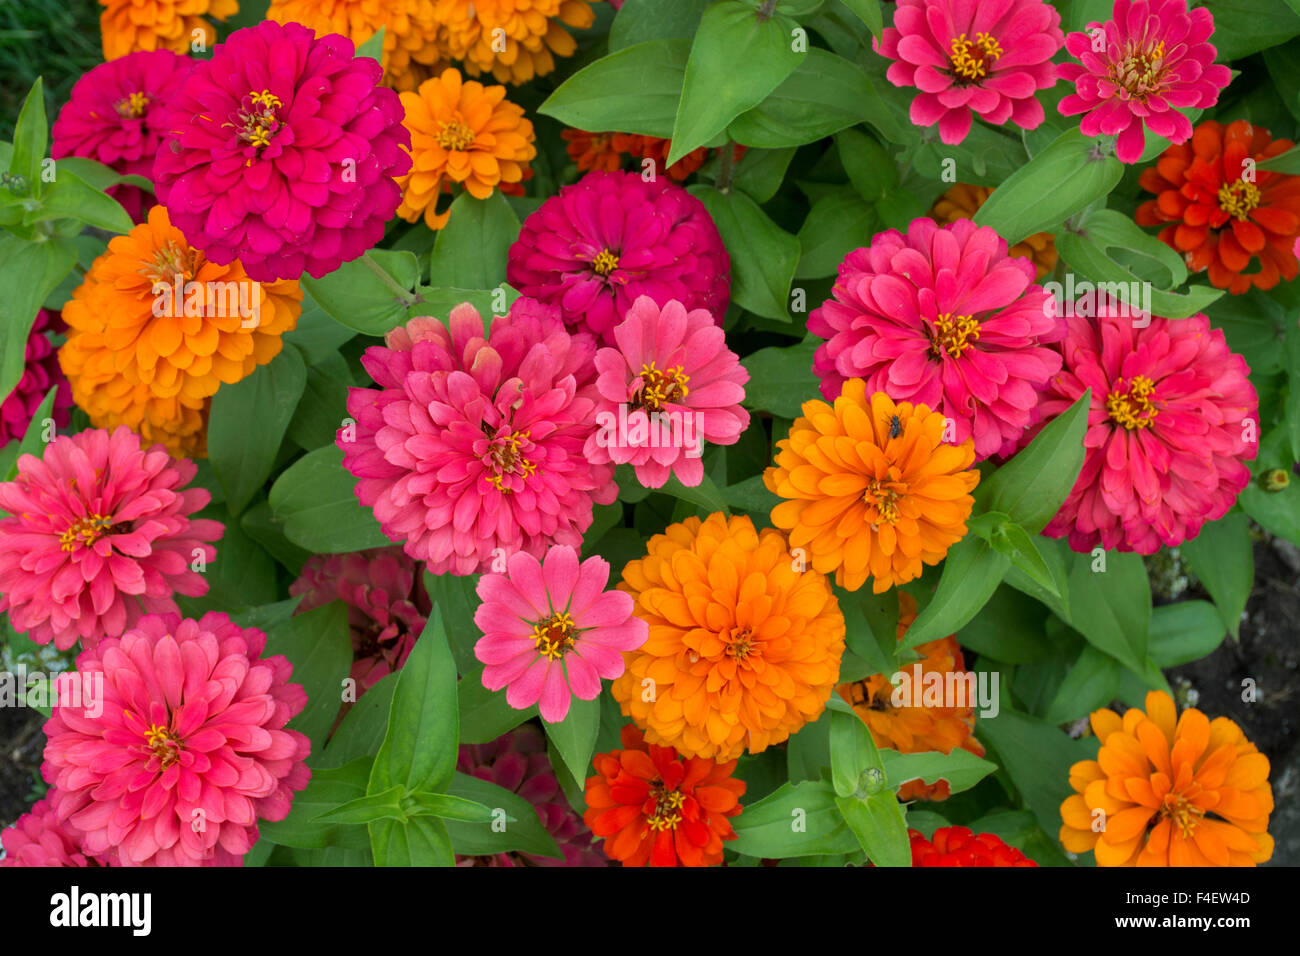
point(744, 644)
point(461, 132)
point(130, 25)
point(592, 150)
point(872, 489)
point(514, 40)
point(962, 201)
point(655, 808)
point(1224, 212)
point(652, 147)
point(1162, 793)
point(139, 355)
point(910, 729)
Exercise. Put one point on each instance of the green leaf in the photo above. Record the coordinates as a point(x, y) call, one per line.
point(457, 596)
point(971, 573)
point(705, 495)
point(838, 223)
point(750, 495)
point(795, 820)
point(1222, 560)
point(33, 441)
point(29, 271)
point(877, 821)
point(1115, 605)
point(635, 90)
point(781, 379)
point(638, 21)
point(1010, 628)
point(356, 296)
point(362, 731)
point(575, 736)
point(1037, 756)
point(1277, 512)
point(448, 807)
point(328, 789)
point(871, 169)
point(98, 175)
point(1089, 684)
point(470, 251)
point(1185, 632)
point(961, 768)
point(259, 524)
point(868, 12)
point(520, 831)
point(320, 511)
point(1242, 27)
point(31, 134)
point(319, 645)
point(420, 841)
point(323, 404)
point(1288, 163)
point(484, 714)
point(243, 575)
point(760, 172)
point(367, 809)
point(317, 334)
point(763, 256)
point(1011, 540)
point(71, 197)
point(374, 47)
point(489, 303)
point(856, 767)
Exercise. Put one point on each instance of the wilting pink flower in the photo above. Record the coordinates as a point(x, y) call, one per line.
point(517, 761)
point(474, 445)
point(1172, 422)
point(670, 385)
point(387, 605)
point(612, 237)
point(98, 533)
point(115, 115)
point(39, 839)
point(550, 629)
point(1140, 67)
point(283, 153)
point(40, 373)
point(943, 317)
point(186, 748)
point(971, 57)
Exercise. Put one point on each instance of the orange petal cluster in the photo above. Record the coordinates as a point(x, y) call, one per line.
point(963, 200)
point(130, 25)
point(514, 40)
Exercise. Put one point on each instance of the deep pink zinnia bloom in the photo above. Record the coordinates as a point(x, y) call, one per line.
point(284, 153)
point(942, 316)
point(184, 749)
point(973, 56)
point(115, 115)
point(551, 631)
point(1140, 67)
point(517, 761)
point(473, 448)
point(98, 533)
point(41, 372)
point(612, 237)
point(39, 839)
point(669, 386)
point(1172, 421)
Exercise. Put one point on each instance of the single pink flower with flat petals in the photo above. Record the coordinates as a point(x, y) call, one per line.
point(551, 631)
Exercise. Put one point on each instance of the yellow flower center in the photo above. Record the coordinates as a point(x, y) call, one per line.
point(884, 496)
point(165, 745)
point(169, 261)
point(605, 263)
point(668, 809)
point(1181, 813)
point(741, 644)
point(1238, 199)
point(1141, 69)
point(259, 122)
point(971, 59)
point(133, 106)
point(1132, 407)
point(505, 457)
point(86, 530)
point(553, 637)
point(455, 135)
point(658, 388)
point(953, 335)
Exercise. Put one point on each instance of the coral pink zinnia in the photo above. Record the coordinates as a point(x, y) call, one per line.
point(99, 532)
point(1140, 67)
point(39, 839)
point(1173, 421)
point(612, 237)
point(968, 57)
point(552, 631)
point(282, 153)
point(40, 372)
point(943, 317)
point(184, 749)
point(670, 385)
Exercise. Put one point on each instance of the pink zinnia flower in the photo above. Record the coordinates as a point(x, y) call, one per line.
point(612, 237)
point(39, 839)
point(517, 761)
point(185, 748)
point(670, 385)
point(1155, 61)
point(550, 629)
point(98, 533)
point(283, 153)
point(1172, 421)
point(969, 56)
point(387, 605)
point(474, 445)
point(942, 317)
point(40, 372)
point(115, 115)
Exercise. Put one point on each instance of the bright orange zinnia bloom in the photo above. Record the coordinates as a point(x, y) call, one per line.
point(872, 489)
point(137, 354)
point(463, 132)
point(744, 645)
point(1169, 790)
point(963, 200)
point(655, 808)
point(514, 40)
point(130, 25)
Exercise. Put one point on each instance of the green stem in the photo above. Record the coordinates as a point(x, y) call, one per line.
point(405, 296)
point(726, 167)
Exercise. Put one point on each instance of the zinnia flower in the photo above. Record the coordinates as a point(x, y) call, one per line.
point(1224, 218)
point(1154, 61)
point(960, 846)
point(157, 327)
point(871, 488)
point(98, 533)
point(283, 153)
point(671, 385)
point(970, 58)
point(962, 201)
point(473, 445)
point(517, 761)
point(40, 374)
point(131, 25)
point(610, 238)
point(464, 133)
point(114, 115)
point(1169, 790)
point(188, 750)
point(514, 40)
point(550, 629)
point(744, 645)
point(655, 807)
point(39, 839)
point(943, 317)
point(592, 150)
point(1169, 431)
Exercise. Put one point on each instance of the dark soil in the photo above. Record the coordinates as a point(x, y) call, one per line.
point(21, 744)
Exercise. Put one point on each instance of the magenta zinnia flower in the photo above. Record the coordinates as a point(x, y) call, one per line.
point(550, 629)
point(185, 748)
point(40, 373)
point(517, 761)
point(942, 317)
point(473, 447)
point(1172, 421)
point(610, 238)
point(670, 385)
point(283, 153)
point(98, 533)
point(39, 839)
point(967, 57)
point(116, 114)
point(1155, 62)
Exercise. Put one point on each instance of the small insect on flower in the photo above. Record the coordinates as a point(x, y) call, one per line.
point(895, 426)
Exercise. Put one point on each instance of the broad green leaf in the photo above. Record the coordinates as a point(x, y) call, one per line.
point(367, 809)
point(318, 643)
point(760, 172)
point(856, 767)
point(327, 790)
point(470, 251)
point(323, 404)
point(878, 823)
point(1242, 27)
point(750, 495)
point(33, 441)
point(362, 731)
point(1185, 632)
point(259, 524)
point(374, 47)
point(961, 768)
point(1011, 540)
point(639, 21)
point(1010, 627)
point(317, 334)
point(456, 594)
point(871, 169)
point(29, 271)
point(796, 820)
point(484, 714)
point(763, 255)
point(320, 511)
point(1222, 560)
point(1090, 683)
point(448, 807)
point(31, 135)
point(243, 574)
point(971, 573)
point(705, 495)
point(869, 12)
point(575, 736)
point(1288, 163)
point(1052, 551)
point(71, 197)
point(635, 90)
point(838, 223)
point(1113, 606)
point(420, 841)
point(517, 828)
point(98, 175)
point(781, 379)
point(1278, 512)
point(371, 294)
point(1037, 756)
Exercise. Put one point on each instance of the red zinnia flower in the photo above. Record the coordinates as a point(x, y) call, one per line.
point(959, 846)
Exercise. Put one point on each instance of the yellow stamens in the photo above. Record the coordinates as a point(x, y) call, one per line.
point(1182, 813)
point(86, 530)
point(505, 457)
point(267, 99)
point(605, 263)
point(1140, 70)
point(1239, 199)
point(668, 809)
point(133, 106)
point(455, 135)
point(164, 744)
point(953, 335)
point(884, 497)
point(971, 59)
point(1132, 407)
point(553, 637)
point(658, 388)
